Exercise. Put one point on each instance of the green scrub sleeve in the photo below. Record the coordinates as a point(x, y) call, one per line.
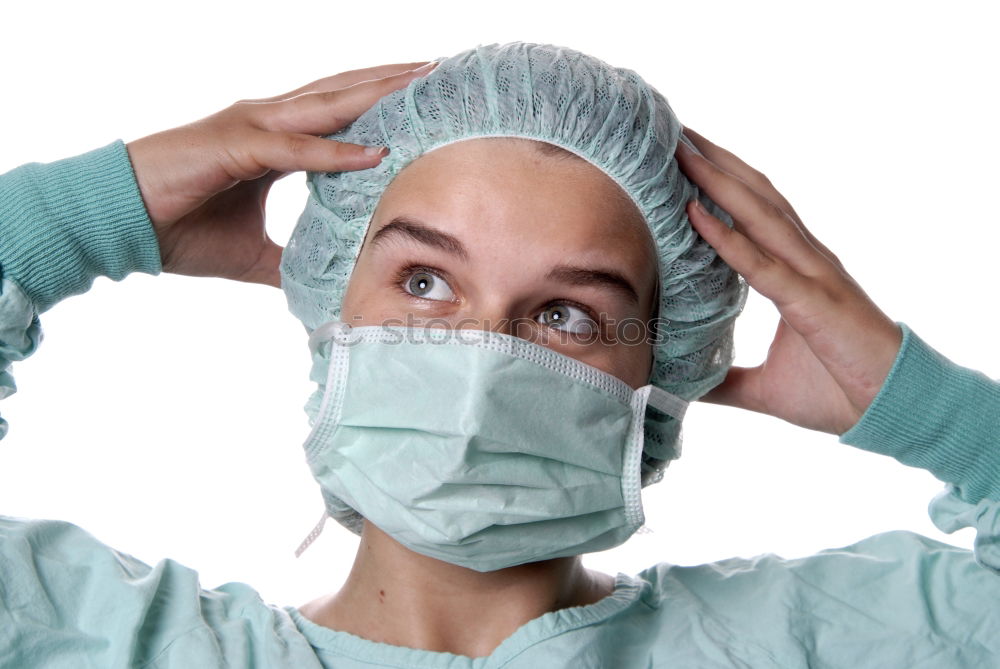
point(934, 414)
point(64, 223)
point(61, 225)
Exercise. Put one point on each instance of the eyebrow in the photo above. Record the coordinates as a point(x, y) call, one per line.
point(601, 278)
point(569, 274)
point(417, 231)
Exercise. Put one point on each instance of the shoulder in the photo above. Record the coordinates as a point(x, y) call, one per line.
point(67, 599)
point(888, 550)
point(899, 561)
point(890, 596)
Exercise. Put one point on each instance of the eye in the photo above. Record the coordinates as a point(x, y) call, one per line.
point(568, 318)
point(430, 286)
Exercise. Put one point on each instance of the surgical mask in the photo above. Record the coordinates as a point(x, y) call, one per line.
point(477, 448)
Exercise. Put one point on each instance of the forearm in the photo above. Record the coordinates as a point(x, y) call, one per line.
point(937, 415)
point(64, 223)
point(61, 225)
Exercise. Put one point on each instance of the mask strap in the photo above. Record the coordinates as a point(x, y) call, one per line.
point(331, 330)
point(326, 332)
point(312, 536)
point(670, 404)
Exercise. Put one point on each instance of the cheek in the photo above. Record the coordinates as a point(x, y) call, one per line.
point(350, 305)
point(630, 362)
point(627, 352)
point(637, 362)
point(360, 305)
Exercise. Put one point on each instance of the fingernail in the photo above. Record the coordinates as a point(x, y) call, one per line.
point(699, 207)
point(381, 151)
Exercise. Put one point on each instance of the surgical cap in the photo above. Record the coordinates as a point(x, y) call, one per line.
point(608, 116)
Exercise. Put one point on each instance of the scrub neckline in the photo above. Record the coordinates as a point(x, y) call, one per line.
point(626, 592)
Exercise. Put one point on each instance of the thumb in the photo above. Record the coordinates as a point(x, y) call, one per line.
point(738, 389)
point(266, 269)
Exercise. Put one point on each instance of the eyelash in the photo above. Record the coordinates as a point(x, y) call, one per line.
point(582, 307)
point(404, 274)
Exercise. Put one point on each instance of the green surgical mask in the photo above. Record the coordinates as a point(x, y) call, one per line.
point(477, 448)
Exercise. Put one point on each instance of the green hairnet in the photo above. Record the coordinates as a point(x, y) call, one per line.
point(608, 116)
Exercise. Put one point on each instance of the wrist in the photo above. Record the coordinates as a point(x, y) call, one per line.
point(934, 414)
point(884, 345)
point(141, 153)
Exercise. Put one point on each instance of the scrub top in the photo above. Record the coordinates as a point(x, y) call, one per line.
point(896, 599)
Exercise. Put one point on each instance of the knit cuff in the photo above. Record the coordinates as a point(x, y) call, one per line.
point(934, 414)
point(64, 223)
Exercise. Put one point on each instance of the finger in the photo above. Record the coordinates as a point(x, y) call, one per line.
point(345, 79)
point(268, 179)
point(757, 217)
point(768, 275)
point(326, 112)
point(733, 164)
point(294, 152)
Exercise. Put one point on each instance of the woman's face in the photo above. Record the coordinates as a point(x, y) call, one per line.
point(494, 234)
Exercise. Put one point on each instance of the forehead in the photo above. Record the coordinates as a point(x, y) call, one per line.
point(514, 191)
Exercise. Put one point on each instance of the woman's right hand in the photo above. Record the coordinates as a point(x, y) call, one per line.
point(205, 184)
point(833, 347)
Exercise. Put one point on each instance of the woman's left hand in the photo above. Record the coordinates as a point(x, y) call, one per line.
point(205, 184)
point(833, 347)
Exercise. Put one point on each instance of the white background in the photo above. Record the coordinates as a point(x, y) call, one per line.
point(164, 414)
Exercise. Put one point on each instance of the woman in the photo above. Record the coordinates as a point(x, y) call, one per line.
point(446, 242)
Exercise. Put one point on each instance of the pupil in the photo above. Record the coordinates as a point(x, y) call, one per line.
point(420, 283)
